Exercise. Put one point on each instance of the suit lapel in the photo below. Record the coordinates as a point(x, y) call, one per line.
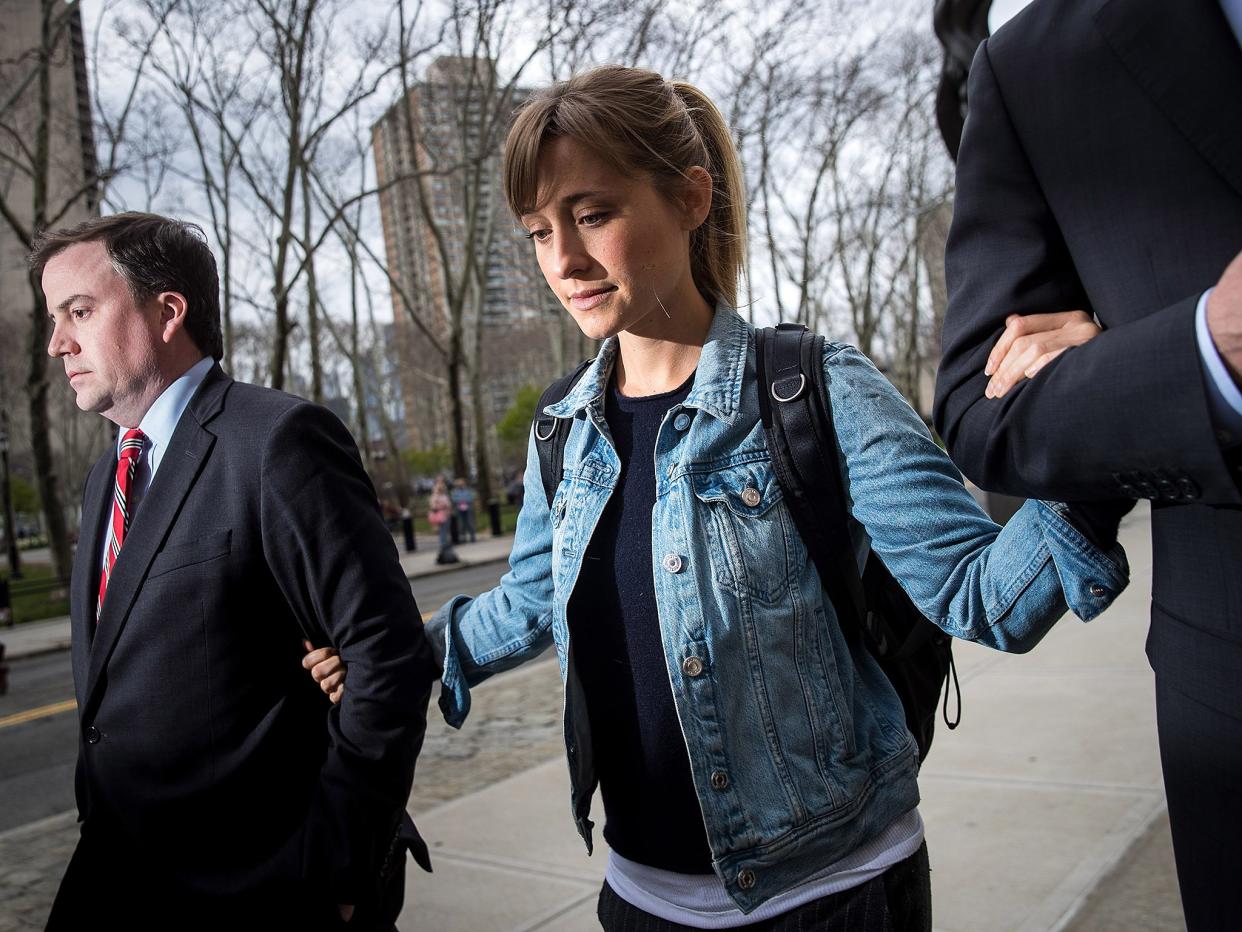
point(180, 467)
point(1187, 59)
point(87, 565)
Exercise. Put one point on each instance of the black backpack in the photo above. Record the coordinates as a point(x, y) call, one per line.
point(914, 654)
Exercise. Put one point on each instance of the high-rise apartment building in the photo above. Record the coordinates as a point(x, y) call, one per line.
point(451, 127)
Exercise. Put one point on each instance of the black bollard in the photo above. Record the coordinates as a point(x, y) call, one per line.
point(407, 527)
point(493, 512)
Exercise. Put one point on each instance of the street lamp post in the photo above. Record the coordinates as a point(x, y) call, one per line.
point(10, 528)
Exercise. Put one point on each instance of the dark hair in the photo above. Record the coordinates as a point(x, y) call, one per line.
point(153, 254)
point(642, 125)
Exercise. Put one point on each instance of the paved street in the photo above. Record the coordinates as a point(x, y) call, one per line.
point(36, 768)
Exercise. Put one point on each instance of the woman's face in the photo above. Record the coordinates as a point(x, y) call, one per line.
point(614, 249)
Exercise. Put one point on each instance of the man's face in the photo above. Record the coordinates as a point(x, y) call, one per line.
point(109, 345)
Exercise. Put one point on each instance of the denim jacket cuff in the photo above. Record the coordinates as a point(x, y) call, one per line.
point(1091, 578)
point(454, 691)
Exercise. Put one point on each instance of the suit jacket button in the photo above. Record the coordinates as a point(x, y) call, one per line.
point(92, 735)
point(1188, 488)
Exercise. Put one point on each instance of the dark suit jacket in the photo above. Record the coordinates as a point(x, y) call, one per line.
point(207, 753)
point(1101, 168)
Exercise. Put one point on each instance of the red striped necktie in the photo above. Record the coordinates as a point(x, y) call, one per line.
point(126, 464)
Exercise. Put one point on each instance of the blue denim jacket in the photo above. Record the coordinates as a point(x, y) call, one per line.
point(797, 742)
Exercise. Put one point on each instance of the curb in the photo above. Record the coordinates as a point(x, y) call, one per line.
point(41, 651)
point(451, 567)
point(40, 826)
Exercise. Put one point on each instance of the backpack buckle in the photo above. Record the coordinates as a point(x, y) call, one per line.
point(781, 393)
point(545, 428)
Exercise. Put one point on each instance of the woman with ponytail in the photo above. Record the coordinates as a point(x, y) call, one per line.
point(753, 760)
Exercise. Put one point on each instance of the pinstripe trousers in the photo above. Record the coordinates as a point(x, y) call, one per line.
point(899, 900)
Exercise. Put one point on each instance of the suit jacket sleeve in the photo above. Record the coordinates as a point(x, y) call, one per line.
point(334, 559)
point(1116, 416)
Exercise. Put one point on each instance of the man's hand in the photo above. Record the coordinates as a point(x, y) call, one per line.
point(327, 669)
point(1224, 318)
point(346, 911)
point(1032, 341)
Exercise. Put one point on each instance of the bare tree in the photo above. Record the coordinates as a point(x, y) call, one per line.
point(205, 74)
point(273, 138)
point(883, 221)
point(450, 127)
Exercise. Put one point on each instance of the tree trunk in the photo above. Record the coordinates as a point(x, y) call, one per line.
point(312, 294)
point(457, 421)
point(37, 380)
point(40, 432)
point(355, 360)
point(482, 459)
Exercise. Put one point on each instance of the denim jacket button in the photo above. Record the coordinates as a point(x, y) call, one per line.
point(720, 780)
point(745, 878)
point(682, 421)
point(671, 562)
point(1097, 590)
point(692, 666)
point(751, 496)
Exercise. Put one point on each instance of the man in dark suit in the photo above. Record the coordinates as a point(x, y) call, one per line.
point(216, 787)
point(1101, 169)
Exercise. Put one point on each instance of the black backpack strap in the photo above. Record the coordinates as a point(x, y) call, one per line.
point(914, 654)
point(797, 421)
point(551, 433)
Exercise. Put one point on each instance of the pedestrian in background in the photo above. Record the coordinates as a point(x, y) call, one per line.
point(439, 514)
point(463, 508)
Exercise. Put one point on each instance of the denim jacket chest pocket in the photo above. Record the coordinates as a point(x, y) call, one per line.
point(579, 497)
point(755, 549)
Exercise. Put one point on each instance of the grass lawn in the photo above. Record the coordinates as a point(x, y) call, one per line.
point(45, 600)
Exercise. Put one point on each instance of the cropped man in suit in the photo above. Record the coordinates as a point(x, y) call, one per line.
point(215, 785)
point(1101, 169)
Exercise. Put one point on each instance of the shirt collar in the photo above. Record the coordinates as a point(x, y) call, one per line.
point(1233, 12)
point(162, 417)
point(717, 385)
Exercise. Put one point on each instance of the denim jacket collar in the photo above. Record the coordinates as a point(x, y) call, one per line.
point(717, 384)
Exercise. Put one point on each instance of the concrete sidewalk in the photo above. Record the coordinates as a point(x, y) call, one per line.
point(41, 637)
point(1044, 809)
